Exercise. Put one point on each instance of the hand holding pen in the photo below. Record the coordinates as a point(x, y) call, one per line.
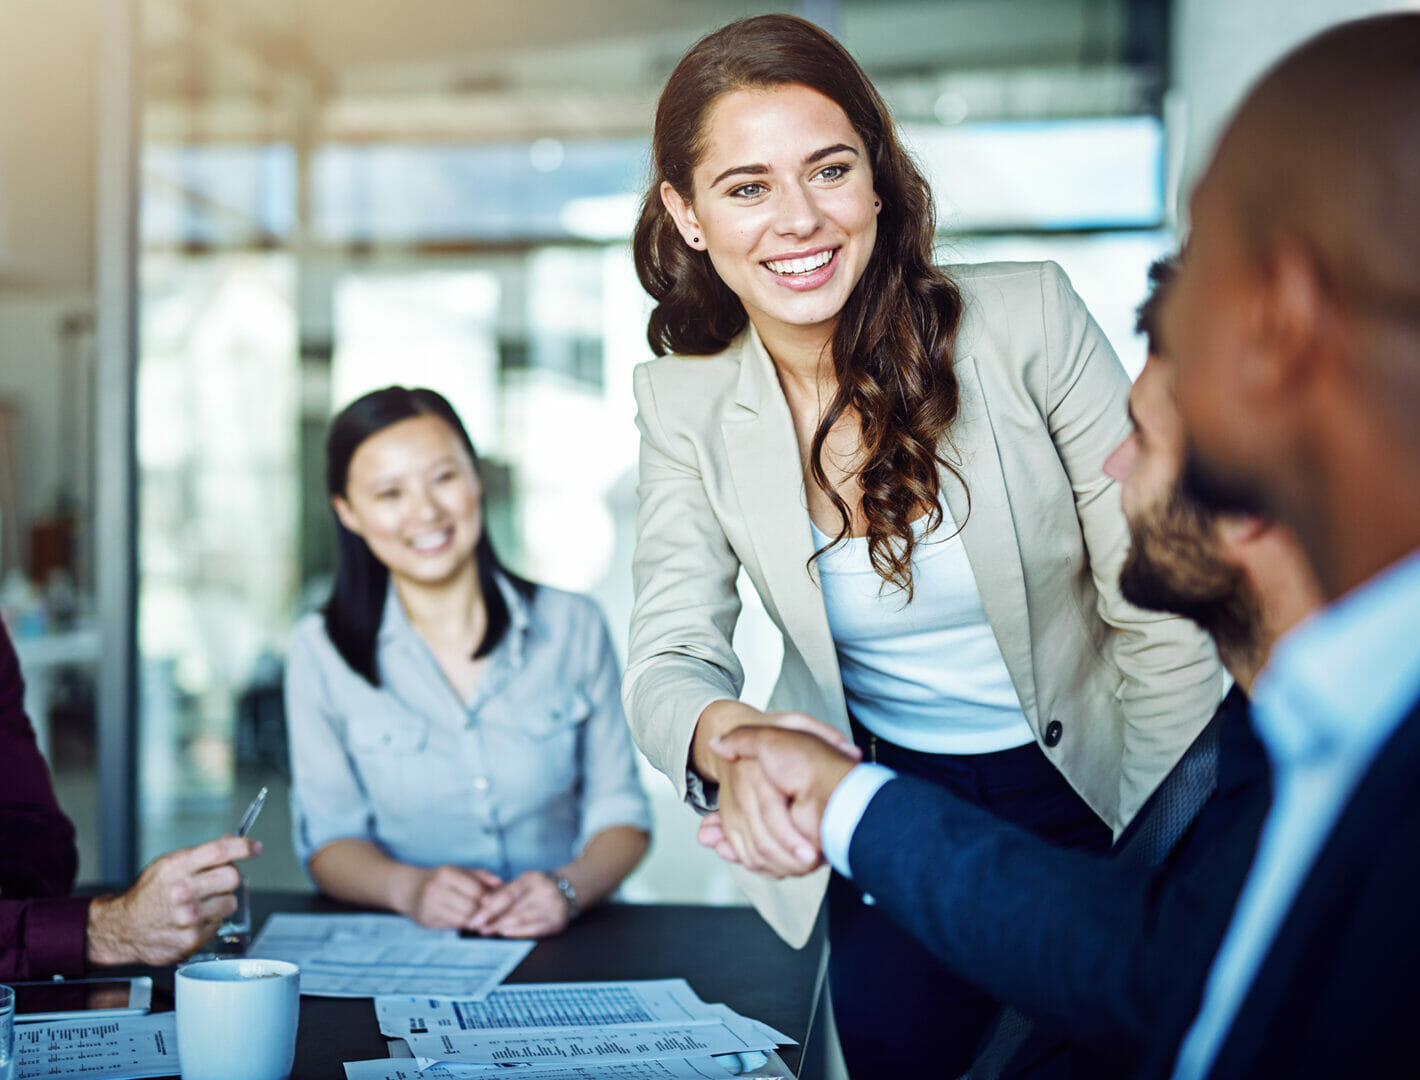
point(177, 904)
point(253, 810)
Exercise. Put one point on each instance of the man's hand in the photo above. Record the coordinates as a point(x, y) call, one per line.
point(803, 768)
point(531, 905)
point(176, 905)
point(756, 828)
point(449, 897)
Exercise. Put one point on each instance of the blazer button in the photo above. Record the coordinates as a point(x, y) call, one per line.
point(1053, 731)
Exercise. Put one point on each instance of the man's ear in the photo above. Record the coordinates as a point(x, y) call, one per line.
point(682, 213)
point(1291, 313)
point(345, 514)
point(1238, 531)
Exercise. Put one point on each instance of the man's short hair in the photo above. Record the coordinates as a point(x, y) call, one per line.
point(1146, 317)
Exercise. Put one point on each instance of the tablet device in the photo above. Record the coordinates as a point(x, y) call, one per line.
point(76, 999)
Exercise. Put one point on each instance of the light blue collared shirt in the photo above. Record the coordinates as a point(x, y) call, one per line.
point(1336, 689)
point(519, 778)
point(845, 809)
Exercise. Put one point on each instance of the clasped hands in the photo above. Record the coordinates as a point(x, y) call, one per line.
point(775, 777)
point(453, 897)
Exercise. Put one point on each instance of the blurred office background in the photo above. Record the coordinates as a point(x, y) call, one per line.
point(220, 220)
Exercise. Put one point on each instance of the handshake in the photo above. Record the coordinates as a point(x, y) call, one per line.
point(775, 776)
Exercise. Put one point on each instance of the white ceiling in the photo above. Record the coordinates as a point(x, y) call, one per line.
point(361, 69)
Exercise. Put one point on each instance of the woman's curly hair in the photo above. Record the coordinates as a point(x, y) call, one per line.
point(892, 348)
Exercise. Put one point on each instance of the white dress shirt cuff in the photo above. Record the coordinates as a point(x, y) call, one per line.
point(845, 809)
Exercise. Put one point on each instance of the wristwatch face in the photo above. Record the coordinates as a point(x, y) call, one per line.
point(569, 894)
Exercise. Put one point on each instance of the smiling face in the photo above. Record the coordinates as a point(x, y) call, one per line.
point(783, 202)
point(412, 495)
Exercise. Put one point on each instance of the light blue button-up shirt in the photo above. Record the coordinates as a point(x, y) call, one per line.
point(845, 808)
point(519, 778)
point(1336, 689)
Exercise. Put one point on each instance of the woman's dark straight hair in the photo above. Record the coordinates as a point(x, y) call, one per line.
point(892, 349)
point(357, 599)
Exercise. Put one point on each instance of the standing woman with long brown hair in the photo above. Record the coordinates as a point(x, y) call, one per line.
point(906, 462)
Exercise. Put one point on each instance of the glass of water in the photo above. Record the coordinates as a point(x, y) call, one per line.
point(7, 1033)
point(232, 937)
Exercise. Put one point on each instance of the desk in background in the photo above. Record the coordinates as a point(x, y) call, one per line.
point(726, 954)
point(41, 659)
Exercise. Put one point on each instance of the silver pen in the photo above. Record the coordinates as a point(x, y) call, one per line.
point(249, 818)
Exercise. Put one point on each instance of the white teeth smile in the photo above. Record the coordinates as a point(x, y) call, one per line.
point(801, 266)
point(432, 541)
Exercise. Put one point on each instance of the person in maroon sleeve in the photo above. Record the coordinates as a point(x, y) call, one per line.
point(175, 906)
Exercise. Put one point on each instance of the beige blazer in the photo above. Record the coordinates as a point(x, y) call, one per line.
point(1043, 402)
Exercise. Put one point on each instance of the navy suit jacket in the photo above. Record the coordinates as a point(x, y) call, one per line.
point(1108, 953)
point(1338, 993)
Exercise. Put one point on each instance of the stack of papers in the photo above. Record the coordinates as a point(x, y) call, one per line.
point(117, 1048)
point(649, 1030)
point(355, 956)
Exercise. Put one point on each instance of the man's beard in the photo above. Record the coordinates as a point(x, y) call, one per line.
point(1173, 566)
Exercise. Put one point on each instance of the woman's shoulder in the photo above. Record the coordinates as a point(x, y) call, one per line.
point(310, 647)
point(679, 383)
point(309, 633)
point(711, 366)
point(312, 662)
point(569, 610)
point(1007, 284)
point(571, 625)
point(1016, 309)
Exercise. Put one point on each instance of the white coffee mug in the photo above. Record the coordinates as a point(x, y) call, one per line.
point(236, 1019)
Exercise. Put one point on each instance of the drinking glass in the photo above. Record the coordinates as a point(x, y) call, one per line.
point(233, 936)
point(7, 1033)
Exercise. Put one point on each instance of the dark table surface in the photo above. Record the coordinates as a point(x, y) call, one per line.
point(726, 954)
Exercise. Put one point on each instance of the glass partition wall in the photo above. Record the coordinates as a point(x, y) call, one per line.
point(423, 194)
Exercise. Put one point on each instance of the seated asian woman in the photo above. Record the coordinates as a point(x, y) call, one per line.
point(459, 752)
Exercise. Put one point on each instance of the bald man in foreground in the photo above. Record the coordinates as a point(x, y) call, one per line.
point(1295, 328)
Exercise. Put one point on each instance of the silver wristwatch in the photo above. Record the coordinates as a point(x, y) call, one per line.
point(569, 894)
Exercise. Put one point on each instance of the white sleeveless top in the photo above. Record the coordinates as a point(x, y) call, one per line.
point(926, 675)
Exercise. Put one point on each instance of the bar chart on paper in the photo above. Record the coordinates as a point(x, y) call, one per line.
point(664, 1069)
point(639, 1030)
point(590, 1047)
point(124, 1048)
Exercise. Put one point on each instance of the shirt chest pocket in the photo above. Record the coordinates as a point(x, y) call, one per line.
point(539, 739)
point(390, 752)
point(387, 734)
point(557, 717)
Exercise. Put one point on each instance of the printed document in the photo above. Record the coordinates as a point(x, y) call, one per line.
point(120, 1048)
point(355, 956)
point(523, 1006)
point(590, 1045)
point(547, 1029)
point(667, 1069)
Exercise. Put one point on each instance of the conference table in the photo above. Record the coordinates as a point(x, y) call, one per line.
point(726, 954)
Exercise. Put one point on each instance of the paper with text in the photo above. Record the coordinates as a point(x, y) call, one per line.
point(524, 1006)
point(666, 1069)
point(356, 956)
point(590, 1045)
point(120, 1048)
